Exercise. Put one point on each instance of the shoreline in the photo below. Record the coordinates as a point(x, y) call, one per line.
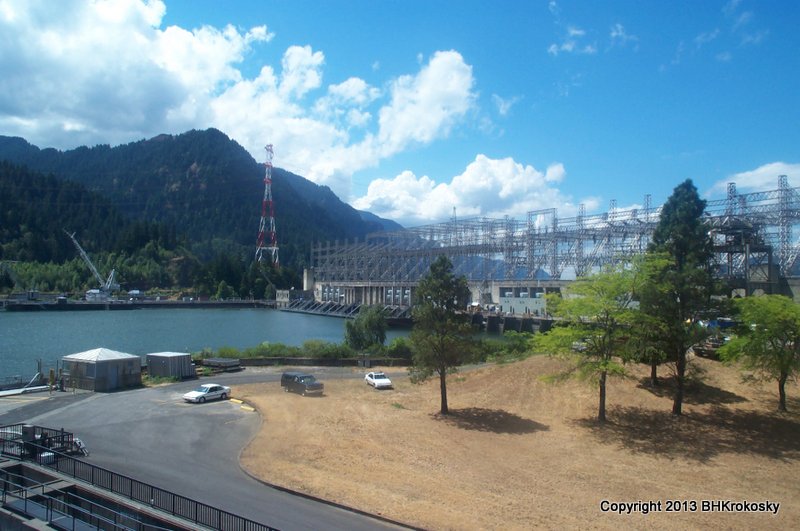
point(36, 306)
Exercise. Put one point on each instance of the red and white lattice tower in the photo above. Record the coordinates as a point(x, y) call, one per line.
point(267, 238)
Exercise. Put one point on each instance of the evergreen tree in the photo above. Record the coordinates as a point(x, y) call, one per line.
point(440, 338)
point(679, 281)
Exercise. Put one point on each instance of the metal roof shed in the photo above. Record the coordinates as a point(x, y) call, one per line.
point(102, 369)
point(170, 365)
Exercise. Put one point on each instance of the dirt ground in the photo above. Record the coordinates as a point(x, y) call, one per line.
point(520, 453)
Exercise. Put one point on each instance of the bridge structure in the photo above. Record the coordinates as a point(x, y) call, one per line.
point(752, 234)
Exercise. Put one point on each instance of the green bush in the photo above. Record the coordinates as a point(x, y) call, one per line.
point(228, 352)
point(512, 346)
point(400, 347)
point(315, 348)
point(203, 354)
point(272, 350)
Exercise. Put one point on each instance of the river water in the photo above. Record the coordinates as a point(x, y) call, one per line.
point(26, 337)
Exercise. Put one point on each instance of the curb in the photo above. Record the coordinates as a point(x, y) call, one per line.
point(246, 407)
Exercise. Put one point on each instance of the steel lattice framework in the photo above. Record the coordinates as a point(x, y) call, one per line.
point(747, 230)
point(267, 237)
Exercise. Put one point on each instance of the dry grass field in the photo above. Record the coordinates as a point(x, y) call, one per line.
point(520, 453)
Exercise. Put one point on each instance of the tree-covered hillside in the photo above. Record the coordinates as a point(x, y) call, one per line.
point(37, 211)
point(170, 212)
point(206, 186)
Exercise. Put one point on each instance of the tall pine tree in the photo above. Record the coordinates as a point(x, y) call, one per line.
point(679, 280)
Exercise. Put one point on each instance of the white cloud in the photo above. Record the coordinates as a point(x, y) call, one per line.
point(95, 72)
point(504, 105)
point(730, 8)
point(301, 71)
point(619, 37)
point(346, 102)
point(754, 38)
point(742, 20)
point(79, 72)
point(487, 187)
point(765, 177)
point(571, 44)
point(425, 106)
point(706, 37)
point(724, 57)
point(572, 31)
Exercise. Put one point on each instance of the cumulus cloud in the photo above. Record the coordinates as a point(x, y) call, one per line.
point(110, 72)
point(425, 106)
point(301, 71)
point(487, 187)
point(95, 72)
point(765, 177)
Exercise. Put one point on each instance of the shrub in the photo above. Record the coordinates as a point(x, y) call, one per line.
point(315, 348)
point(272, 350)
point(400, 347)
point(228, 352)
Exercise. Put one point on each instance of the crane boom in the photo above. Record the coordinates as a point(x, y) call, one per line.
point(86, 259)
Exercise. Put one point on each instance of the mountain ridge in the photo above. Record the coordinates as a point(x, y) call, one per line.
point(205, 185)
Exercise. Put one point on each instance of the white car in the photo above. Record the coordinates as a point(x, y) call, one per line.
point(378, 380)
point(208, 391)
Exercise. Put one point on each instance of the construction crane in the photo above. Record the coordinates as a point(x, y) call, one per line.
point(107, 286)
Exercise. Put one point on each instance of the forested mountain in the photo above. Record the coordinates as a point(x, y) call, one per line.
point(203, 185)
point(169, 212)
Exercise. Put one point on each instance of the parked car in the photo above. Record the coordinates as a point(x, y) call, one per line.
point(301, 382)
point(208, 391)
point(378, 380)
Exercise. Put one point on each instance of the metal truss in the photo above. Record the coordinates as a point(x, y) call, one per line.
point(746, 230)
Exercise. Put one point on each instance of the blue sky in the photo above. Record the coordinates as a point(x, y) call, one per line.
point(410, 109)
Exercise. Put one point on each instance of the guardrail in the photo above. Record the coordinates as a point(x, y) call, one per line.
point(133, 489)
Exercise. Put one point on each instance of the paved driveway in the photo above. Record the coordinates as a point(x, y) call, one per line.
point(191, 449)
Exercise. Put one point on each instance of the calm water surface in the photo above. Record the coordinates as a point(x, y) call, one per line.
point(29, 336)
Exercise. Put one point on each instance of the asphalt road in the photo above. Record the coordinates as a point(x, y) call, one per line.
point(152, 435)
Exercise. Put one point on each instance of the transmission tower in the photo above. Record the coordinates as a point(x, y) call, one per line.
point(267, 238)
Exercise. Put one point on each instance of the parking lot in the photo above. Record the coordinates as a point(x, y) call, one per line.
point(153, 435)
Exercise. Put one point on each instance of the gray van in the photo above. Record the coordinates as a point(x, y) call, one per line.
point(301, 382)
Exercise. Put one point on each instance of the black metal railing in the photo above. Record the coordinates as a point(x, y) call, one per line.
point(64, 509)
point(133, 489)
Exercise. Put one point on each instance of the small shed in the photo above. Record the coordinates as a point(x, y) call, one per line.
point(170, 365)
point(102, 369)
